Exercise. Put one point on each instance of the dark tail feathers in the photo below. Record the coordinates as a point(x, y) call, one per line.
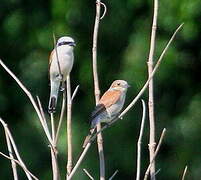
point(52, 105)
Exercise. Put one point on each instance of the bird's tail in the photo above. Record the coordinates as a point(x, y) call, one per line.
point(53, 96)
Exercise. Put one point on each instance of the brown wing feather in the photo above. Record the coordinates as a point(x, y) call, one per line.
point(110, 98)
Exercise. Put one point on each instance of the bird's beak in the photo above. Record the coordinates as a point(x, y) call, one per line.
point(128, 86)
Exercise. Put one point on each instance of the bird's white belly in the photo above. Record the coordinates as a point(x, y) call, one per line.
point(65, 64)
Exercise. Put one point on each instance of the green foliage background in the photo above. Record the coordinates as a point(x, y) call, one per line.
point(26, 28)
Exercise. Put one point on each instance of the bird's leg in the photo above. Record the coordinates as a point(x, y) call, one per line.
point(63, 86)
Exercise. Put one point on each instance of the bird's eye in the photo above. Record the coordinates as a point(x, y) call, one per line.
point(118, 84)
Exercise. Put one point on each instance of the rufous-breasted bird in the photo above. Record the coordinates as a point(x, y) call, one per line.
point(109, 106)
point(60, 65)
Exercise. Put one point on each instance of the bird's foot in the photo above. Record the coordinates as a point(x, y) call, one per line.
point(62, 87)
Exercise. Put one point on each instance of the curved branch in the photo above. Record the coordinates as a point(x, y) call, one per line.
point(105, 10)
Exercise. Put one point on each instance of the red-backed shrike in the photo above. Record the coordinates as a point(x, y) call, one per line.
point(109, 106)
point(60, 65)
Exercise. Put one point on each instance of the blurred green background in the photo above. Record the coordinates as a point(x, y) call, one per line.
point(26, 28)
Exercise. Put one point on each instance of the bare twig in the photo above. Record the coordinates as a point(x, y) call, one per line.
point(55, 167)
point(140, 140)
point(97, 89)
point(94, 52)
point(14, 147)
point(151, 91)
point(155, 154)
point(30, 97)
point(52, 148)
point(42, 113)
point(184, 173)
point(10, 151)
point(63, 110)
point(52, 127)
point(129, 106)
point(152, 74)
point(69, 128)
point(88, 174)
point(79, 161)
point(16, 161)
point(105, 10)
point(157, 172)
point(75, 92)
point(114, 174)
point(61, 116)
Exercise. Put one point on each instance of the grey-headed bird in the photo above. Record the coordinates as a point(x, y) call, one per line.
point(109, 106)
point(60, 65)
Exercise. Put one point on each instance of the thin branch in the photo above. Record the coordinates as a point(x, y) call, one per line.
point(43, 114)
point(140, 140)
point(30, 97)
point(61, 116)
point(53, 150)
point(14, 146)
point(113, 175)
point(16, 161)
point(88, 174)
point(97, 89)
point(75, 92)
point(52, 127)
point(184, 173)
point(69, 128)
point(55, 167)
point(128, 107)
point(79, 161)
point(105, 10)
point(152, 142)
point(94, 52)
point(152, 74)
point(155, 154)
point(10, 151)
point(157, 172)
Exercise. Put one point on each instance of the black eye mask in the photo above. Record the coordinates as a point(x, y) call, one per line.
point(66, 43)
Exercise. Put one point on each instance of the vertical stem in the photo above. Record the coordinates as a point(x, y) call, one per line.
point(10, 151)
point(140, 140)
point(53, 127)
point(96, 88)
point(61, 116)
point(55, 167)
point(69, 131)
point(151, 91)
point(94, 52)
